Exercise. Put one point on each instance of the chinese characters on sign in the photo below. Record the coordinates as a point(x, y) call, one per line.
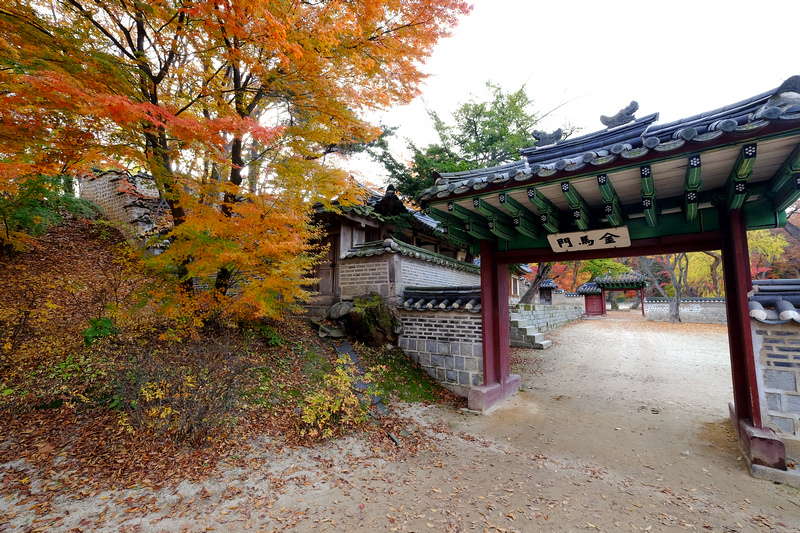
point(590, 240)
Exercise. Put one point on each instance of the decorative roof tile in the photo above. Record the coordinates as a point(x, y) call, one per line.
point(775, 301)
point(459, 298)
point(549, 284)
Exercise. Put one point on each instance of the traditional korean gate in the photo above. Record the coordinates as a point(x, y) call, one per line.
point(595, 304)
point(630, 190)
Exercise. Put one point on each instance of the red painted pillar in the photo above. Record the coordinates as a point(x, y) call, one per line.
point(498, 382)
point(495, 316)
point(641, 299)
point(736, 266)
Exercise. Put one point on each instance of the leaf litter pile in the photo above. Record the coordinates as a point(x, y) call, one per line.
point(59, 437)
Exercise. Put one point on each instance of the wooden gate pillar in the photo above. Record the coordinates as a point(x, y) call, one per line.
point(760, 445)
point(498, 382)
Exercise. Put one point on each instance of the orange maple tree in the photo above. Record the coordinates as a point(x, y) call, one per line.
point(237, 109)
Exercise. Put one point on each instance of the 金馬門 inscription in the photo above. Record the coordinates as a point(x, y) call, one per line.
point(590, 240)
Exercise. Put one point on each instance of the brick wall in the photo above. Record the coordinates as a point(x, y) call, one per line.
point(362, 275)
point(698, 312)
point(447, 345)
point(419, 273)
point(777, 352)
point(389, 274)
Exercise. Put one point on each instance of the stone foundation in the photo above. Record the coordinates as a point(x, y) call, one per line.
point(447, 345)
point(777, 352)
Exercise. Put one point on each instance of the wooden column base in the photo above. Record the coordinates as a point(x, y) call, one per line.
point(761, 446)
point(486, 397)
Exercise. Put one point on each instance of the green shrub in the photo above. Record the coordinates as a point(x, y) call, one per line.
point(335, 406)
point(185, 391)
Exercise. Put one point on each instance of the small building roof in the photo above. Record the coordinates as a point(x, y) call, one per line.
point(589, 288)
point(625, 281)
point(393, 246)
point(549, 284)
point(775, 301)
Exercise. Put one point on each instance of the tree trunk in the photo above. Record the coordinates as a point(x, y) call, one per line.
point(575, 266)
point(542, 271)
point(715, 271)
point(792, 230)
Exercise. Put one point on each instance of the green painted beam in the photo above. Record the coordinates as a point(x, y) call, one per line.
point(498, 222)
point(784, 186)
point(549, 213)
point(454, 233)
point(523, 220)
point(648, 196)
point(612, 205)
point(788, 195)
point(458, 217)
point(478, 229)
point(736, 186)
point(787, 170)
point(441, 216)
point(581, 213)
point(691, 188)
point(487, 209)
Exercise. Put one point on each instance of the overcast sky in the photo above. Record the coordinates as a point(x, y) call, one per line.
point(678, 58)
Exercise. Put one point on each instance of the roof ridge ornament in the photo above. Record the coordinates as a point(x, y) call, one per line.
point(546, 139)
point(624, 116)
point(786, 97)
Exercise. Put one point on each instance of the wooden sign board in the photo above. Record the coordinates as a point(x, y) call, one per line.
point(590, 240)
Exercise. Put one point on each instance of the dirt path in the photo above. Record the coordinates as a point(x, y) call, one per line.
point(621, 426)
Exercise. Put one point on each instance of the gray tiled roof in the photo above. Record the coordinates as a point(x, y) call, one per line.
point(549, 284)
point(589, 288)
point(460, 298)
point(624, 280)
point(630, 141)
point(393, 246)
point(775, 301)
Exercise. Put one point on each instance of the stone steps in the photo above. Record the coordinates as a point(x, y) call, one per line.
point(524, 335)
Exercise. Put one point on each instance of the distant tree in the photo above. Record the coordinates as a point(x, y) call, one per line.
point(540, 273)
point(483, 133)
point(792, 227)
point(766, 247)
point(598, 267)
point(675, 268)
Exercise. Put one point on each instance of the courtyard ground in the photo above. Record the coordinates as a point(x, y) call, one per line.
point(621, 426)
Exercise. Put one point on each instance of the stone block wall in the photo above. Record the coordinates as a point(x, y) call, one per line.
point(691, 311)
point(545, 317)
point(777, 352)
point(447, 345)
point(115, 191)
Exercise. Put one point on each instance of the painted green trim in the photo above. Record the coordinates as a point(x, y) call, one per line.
point(736, 187)
point(550, 215)
point(523, 220)
point(581, 213)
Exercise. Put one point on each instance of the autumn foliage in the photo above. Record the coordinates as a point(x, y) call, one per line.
point(238, 109)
